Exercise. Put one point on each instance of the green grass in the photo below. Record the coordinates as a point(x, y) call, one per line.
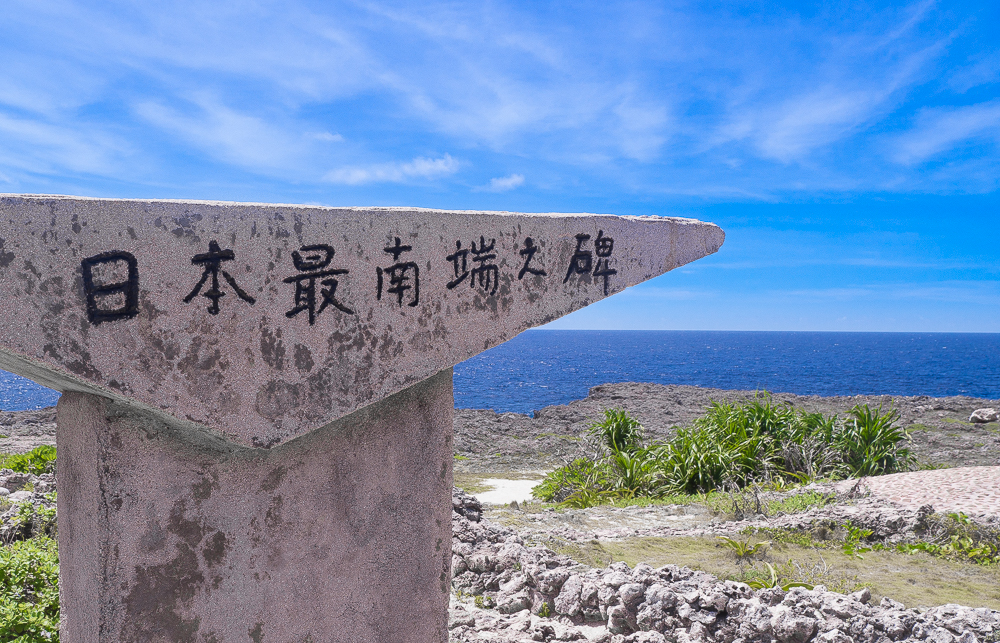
point(915, 580)
point(733, 446)
point(799, 503)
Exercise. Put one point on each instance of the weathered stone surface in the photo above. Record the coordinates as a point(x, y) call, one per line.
point(672, 603)
point(215, 313)
point(982, 416)
point(342, 535)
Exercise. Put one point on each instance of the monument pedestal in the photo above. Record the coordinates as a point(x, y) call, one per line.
point(170, 534)
point(243, 453)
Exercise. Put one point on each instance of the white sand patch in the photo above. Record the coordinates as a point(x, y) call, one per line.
point(505, 492)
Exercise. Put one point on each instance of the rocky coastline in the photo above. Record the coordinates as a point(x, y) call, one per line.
point(534, 594)
point(510, 584)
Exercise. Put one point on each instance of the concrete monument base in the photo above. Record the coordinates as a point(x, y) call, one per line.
point(171, 534)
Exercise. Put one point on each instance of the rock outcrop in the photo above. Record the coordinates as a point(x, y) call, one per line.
point(522, 592)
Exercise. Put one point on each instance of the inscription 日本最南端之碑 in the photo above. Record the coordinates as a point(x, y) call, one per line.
point(264, 322)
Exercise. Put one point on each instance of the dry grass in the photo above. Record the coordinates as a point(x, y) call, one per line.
point(916, 580)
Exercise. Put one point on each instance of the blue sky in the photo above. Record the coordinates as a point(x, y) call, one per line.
point(850, 153)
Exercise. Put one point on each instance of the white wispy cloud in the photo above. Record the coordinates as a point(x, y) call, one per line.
point(418, 168)
point(940, 130)
point(504, 183)
point(327, 137)
point(692, 100)
point(222, 132)
point(34, 145)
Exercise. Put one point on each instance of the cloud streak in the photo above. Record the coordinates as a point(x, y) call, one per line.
point(721, 104)
point(941, 130)
point(420, 168)
point(504, 183)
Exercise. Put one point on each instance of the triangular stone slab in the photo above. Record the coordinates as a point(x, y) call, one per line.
point(264, 322)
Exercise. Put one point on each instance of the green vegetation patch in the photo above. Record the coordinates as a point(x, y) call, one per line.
point(39, 460)
point(29, 591)
point(917, 580)
point(732, 447)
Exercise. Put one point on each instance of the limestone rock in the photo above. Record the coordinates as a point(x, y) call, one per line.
point(265, 322)
point(982, 416)
point(678, 604)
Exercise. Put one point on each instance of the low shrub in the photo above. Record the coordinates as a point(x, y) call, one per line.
point(39, 460)
point(618, 431)
point(29, 591)
point(733, 446)
point(955, 537)
point(583, 476)
point(871, 444)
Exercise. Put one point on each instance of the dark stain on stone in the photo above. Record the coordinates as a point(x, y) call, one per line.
point(116, 503)
point(257, 633)
point(272, 349)
point(153, 607)
point(265, 444)
point(194, 362)
point(5, 257)
point(203, 490)
point(152, 312)
point(170, 350)
point(216, 549)
point(189, 530)
point(276, 398)
point(84, 369)
point(272, 480)
point(303, 358)
point(272, 519)
point(30, 267)
point(185, 226)
point(131, 233)
point(154, 539)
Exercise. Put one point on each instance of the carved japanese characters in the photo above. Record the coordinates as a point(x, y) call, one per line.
point(265, 322)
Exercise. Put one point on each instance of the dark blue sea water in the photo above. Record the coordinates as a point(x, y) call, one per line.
point(543, 367)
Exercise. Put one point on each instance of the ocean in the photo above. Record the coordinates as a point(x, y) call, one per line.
point(543, 367)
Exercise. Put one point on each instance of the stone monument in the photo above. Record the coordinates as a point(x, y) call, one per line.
point(255, 425)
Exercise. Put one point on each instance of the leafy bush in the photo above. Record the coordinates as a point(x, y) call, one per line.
point(39, 460)
point(29, 591)
point(956, 537)
point(582, 477)
point(733, 446)
point(618, 431)
point(695, 461)
point(870, 443)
